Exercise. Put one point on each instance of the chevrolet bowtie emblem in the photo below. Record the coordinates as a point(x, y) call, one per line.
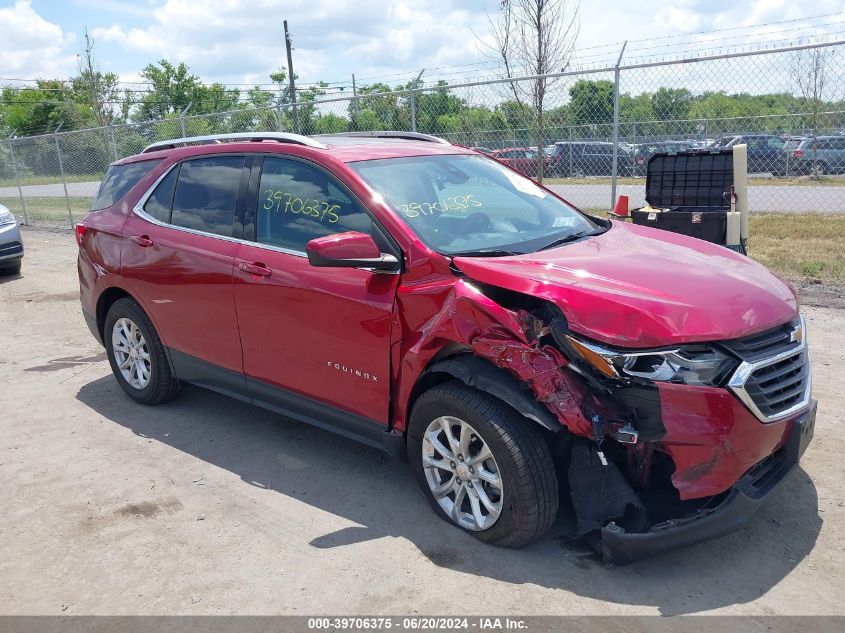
point(796, 335)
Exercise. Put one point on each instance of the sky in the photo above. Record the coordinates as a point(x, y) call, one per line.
point(239, 42)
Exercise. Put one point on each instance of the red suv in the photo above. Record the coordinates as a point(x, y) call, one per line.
point(418, 296)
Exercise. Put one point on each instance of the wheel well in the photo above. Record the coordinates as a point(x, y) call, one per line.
point(480, 374)
point(107, 298)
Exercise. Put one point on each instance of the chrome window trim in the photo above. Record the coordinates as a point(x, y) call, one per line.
point(739, 378)
point(138, 210)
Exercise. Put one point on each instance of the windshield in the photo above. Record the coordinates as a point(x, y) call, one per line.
point(470, 204)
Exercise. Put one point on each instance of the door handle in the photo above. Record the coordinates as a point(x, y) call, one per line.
point(142, 240)
point(257, 268)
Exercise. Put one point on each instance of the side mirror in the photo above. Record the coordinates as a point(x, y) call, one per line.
point(349, 250)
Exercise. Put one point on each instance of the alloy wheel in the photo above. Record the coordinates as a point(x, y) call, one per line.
point(462, 474)
point(131, 353)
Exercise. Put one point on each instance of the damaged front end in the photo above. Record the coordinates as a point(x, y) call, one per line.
point(655, 451)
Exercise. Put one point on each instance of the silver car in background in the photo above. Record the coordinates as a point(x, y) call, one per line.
point(11, 244)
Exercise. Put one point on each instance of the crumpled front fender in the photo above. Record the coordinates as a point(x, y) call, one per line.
point(491, 332)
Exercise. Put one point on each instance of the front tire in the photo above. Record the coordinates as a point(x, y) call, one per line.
point(11, 269)
point(482, 466)
point(136, 354)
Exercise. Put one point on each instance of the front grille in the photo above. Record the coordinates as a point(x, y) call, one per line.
point(774, 379)
point(766, 473)
point(778, 387)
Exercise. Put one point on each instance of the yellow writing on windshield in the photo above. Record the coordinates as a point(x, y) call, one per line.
point(285, 202)
point(453, 203)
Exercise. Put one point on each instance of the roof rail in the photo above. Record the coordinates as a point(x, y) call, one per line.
point(408, 136)
point(281, 137)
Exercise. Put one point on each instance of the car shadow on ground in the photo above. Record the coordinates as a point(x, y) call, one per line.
point(380, 495)
point(7, 277)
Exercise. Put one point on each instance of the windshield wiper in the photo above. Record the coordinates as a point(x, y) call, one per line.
point(569, 238)
point(484, 252)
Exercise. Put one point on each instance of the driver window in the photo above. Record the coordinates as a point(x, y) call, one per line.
point(298, 202)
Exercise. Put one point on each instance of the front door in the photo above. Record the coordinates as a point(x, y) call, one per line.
point(312, 337)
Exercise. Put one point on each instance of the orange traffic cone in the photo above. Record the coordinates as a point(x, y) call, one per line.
point(621, 208)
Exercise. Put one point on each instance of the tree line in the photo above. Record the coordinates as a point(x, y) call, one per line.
point(488, 115)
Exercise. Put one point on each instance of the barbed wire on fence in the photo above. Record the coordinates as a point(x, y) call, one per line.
point(795, 135)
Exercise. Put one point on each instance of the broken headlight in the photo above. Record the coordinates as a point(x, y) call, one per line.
point(687, 364)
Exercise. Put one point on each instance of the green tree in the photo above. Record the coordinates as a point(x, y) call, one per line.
point(591, 102)
point(173, 88)
point(40, 110)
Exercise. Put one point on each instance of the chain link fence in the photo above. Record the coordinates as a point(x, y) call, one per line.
point(590, 141)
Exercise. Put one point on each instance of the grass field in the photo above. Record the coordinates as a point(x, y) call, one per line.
point(49, 212)
point(810, 246)
point(51, 180)
point(797, 246)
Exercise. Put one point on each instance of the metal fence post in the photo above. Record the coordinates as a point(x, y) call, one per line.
point(113, 142)
point(17, 178)
point(279, 124)
point(634, 153)
point(413, 103)
point(614, 170)
point(62, 172)
point(182, 118)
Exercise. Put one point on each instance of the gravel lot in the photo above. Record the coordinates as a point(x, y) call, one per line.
point(210, 506)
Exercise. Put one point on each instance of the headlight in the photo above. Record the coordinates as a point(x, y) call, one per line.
point(6, 216)
point(687, 364)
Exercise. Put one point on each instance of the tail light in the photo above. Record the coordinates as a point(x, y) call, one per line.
point(798, 153)
point(80, 232)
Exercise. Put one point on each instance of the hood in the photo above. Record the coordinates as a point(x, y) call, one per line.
point(635, 286)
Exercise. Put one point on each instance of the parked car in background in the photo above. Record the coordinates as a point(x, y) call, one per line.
point(11, 243)
point(588, 158)
point(765, 151)
point(522, 159)
point(822, 155)
point(483, 150)
point(642, 152)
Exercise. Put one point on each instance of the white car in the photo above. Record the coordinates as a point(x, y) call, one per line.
point(11, 243)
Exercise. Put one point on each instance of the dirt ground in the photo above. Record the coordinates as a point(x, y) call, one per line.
point(207, 505)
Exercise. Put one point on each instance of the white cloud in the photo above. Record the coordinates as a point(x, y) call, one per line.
point(30, 46)
point(681, 18)
point(232, 39)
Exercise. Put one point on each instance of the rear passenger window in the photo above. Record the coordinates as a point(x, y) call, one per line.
point(120, 179)
point(206, 192)
point(298, 202)
point(158, 205)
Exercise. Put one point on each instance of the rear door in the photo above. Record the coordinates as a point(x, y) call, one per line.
point(315, 340)
point(178, 253)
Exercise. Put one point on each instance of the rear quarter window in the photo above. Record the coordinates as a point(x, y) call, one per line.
point(119, 180)
point(206, 192)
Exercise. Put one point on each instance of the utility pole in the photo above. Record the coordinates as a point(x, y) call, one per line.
point(288, 47)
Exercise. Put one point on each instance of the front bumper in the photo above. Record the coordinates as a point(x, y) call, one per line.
point(738, 505)
point(11, 243)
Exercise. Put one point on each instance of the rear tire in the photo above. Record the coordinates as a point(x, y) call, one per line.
point(525, 504)
point(136, 355)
